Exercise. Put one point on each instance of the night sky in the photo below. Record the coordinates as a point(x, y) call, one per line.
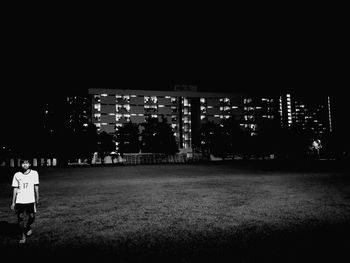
point(213, 54)
point(42, 62)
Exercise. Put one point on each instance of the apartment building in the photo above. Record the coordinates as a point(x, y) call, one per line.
point(184, 109)
point(312, 114)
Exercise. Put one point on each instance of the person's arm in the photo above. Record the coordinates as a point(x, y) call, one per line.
point(36, 187)
point(14, 196)
point(15, 186)
point(36, 190)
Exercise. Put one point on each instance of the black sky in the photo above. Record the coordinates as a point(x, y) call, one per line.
point(220, 54)
point(213, 54)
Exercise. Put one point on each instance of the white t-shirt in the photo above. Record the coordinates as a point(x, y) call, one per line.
point(25, 184)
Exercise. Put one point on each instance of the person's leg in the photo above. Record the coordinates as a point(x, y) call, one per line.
point(30, 211)
point(20, 219)
point(31, 219)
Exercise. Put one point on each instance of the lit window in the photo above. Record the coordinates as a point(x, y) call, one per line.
point(104, 95)
point(118, 107)
point(118, 117)
point(185, 102)
point(97, 107)
point(154, 99)
point(97, 98)
point(97, 116)
point(202, 100)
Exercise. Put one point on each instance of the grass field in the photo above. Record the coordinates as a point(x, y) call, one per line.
point(185, 213)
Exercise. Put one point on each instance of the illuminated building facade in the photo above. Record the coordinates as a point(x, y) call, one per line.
point(69, 111)
point(186, 110)
point(78, 111)
point(258, 110)
point(312, 114)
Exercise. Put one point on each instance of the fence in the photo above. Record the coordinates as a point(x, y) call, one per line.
point(153, 158)
point(128, 159)
point(16, 162)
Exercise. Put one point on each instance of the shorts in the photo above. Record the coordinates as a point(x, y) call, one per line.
point(25, 208)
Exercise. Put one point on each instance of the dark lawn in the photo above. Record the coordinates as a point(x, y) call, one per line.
point(185, 213)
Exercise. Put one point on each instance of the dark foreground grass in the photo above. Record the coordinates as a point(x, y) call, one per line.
point(185, 213)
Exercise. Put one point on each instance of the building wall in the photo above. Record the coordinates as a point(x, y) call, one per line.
point(187, 111)
point(312, 114)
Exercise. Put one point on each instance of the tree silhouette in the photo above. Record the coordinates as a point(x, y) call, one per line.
point(212, 141)
point(89, 142)
point(292, 143)
point(128, 138)
point(267, 139)
point(166, 137)
point(106, 145)
point(158, 137)
point(233, 136)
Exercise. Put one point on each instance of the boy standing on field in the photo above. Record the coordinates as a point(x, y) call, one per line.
point(25, 185)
